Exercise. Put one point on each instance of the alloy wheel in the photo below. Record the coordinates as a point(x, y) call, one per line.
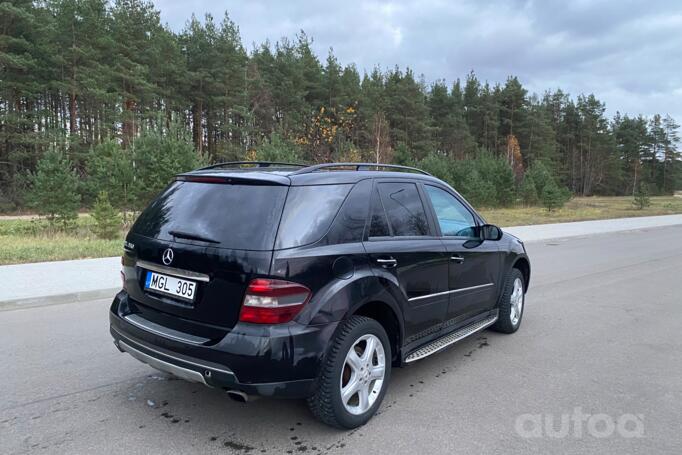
point(516, 301)
point(362, 376)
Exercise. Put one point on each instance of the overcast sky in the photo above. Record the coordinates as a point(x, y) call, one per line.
point(629, 54)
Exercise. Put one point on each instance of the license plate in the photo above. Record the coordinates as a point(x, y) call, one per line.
point(170, 285)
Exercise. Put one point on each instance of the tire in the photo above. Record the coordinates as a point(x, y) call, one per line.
point(510, 314)
point(342, 369)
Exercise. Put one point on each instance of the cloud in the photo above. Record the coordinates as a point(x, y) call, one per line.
point(627, 53)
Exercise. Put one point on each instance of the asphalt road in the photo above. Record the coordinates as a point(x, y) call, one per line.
point(600, 336)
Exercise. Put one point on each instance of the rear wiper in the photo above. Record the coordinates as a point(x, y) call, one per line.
point(187, 235)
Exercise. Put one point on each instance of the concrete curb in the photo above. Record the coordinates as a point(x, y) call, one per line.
point(542, 232)
point(73, 297)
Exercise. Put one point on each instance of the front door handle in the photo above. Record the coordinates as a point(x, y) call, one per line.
point(387, 263)
point(458, 259)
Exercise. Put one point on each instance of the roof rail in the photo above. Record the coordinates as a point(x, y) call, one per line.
point(358, 167)
point(257, 164)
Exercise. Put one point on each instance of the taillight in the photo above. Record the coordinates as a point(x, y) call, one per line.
point(123, 275)
point(273, 301)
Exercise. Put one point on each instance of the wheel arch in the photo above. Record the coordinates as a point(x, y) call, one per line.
point(385, 315)
point(523, 264)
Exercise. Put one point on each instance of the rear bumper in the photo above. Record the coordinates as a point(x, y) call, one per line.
point(278, 361)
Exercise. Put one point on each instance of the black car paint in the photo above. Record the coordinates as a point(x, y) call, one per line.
point(340, 269)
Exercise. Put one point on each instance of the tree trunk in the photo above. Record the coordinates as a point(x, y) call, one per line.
point(128, 129)
point(197, 128)
point(210, 133)
point(73, 112)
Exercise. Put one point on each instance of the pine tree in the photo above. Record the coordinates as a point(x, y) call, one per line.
point(513, 107)
point(540, 176)
point(552, 196)
point(159, 155)
point(641, 197)
point(111, 168)
point(671, 156)
point(107, 220)
point(54, 189)
point(528, 191)
point(632, 142)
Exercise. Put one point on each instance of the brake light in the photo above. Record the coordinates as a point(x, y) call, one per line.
point(204, 179)
point(273, 301)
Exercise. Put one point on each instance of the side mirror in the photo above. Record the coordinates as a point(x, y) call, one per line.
point(491, 232)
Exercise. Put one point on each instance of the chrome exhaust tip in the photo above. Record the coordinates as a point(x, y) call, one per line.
point(238, 395)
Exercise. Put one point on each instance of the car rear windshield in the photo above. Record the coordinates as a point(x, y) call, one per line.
point(222, 215)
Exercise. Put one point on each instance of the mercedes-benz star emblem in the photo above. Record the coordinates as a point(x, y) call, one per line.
point(167, 256)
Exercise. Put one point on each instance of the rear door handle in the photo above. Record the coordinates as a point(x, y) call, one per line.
point(457, 259)
point(387, 263)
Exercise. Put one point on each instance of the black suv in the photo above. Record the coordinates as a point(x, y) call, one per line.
point(311, 281)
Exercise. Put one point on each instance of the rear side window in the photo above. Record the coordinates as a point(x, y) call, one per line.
point(308, 213)
point(404, 209)
point(349, 224)
point(231, 216)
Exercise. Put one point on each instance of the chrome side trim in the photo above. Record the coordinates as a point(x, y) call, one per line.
point(179, 359)
point(451, 338)
point(428, 296)
point(471, 288)
point(184, 373)
point(140, 322)
point(454, 291)
point(173, 271)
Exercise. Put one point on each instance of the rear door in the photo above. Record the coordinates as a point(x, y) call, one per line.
point(214, 236)
point(473, 264)
point(403, 248)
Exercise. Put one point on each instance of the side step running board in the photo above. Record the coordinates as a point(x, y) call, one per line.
point(451, 338)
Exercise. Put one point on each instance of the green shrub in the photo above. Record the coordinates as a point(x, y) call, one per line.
point(485, 181)
point(439, 166)
point(496, 172)
point(478, 190)
point(107, 220)
point(540, 175)
point(278, 150)
point(111, 169)
point(403, 155)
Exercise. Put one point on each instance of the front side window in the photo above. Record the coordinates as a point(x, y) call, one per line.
point(404, 209)
point(453, 217)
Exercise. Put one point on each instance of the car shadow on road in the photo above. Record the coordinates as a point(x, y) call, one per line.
point(265, 425)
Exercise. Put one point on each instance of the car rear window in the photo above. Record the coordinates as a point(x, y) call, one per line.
point(233, 216)
point(308, 213)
